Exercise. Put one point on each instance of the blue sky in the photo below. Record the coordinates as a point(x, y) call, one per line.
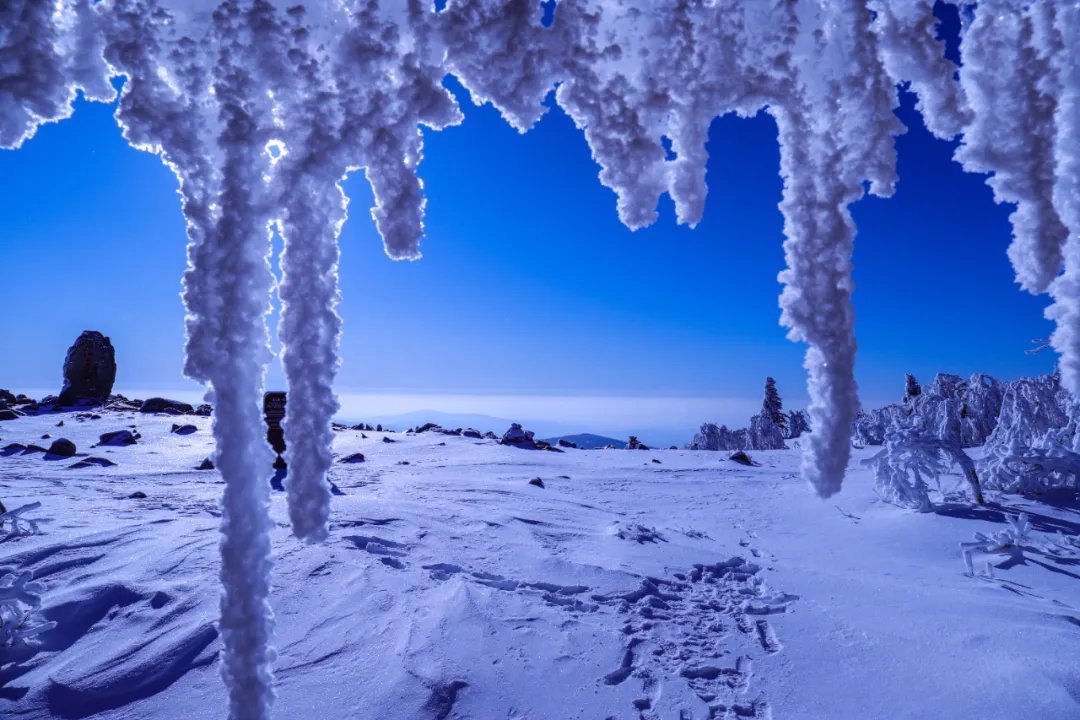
point(529, 286)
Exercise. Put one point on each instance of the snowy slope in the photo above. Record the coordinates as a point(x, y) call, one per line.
point(691, 587)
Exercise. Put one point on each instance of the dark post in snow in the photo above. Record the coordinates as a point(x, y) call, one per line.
point(274, 413)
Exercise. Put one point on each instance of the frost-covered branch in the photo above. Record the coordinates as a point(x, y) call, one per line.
point(13, 524)
point(20, 598)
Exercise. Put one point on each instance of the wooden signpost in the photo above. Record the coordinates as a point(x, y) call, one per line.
point(274, 413)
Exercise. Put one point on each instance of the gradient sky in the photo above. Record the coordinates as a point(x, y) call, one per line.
point(529, 286)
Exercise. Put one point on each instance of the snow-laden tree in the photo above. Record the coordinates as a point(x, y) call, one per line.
point(261, 107)
point(910, 458)
point(773, 407)
point(912, 389)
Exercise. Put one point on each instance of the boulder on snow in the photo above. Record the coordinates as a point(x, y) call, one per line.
point(89, 370)
point(537, 482)
point(165, 405)
point(62, 447)
point(741, 457)
point(428, 426)
point(472, 433)
point(185, 429)
point(119, 437)
point(7, 413)
point(91, 461)
point(518, 437)
point(354, 458)
point(206, 464)
point(388, 439)
point(564, 443)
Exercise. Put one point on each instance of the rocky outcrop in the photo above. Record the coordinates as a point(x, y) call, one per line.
point(518, 437)
point(89, 370)
point(165, 405)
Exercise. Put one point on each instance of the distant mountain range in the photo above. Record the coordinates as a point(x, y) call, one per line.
point(588, 441)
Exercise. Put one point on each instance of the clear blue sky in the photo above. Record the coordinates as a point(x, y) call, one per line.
point(529, 285)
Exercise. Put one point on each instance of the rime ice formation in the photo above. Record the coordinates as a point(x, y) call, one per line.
point(260, 107)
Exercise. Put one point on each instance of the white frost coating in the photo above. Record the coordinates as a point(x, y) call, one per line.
point(1064, 46)
point(1011, 133)
point(339, 85)
point(912, 54)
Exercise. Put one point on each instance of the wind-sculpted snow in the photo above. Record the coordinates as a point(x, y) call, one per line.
point(261, 107)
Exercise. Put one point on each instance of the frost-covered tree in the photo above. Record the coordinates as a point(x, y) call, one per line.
point(912, 389)
point(798, 424)
point(772, 406)
point(910, 458)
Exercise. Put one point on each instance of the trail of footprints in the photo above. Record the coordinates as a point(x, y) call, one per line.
point(675, 627)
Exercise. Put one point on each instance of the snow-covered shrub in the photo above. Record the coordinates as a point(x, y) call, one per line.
point(1019, 468)
point(1009, 541)
point(974, 403)
point(718, 437)
point(1030, 409)
point(798, 424)
point(13, 524)
point(902, 468)
point(20, 598)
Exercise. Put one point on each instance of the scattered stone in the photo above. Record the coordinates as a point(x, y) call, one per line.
point(428, 426)
point(363, 436)
point(206, 464)
point(334, 489)
point(537, 482)
point(741, 457)
point(387, 439)
point(92, 461)
point(402, 462)
point(21, 399)
point(6, 396)
point(338, 427)
point(673, 447)
point(354, 458)
point(491, 436)
point(9, 414)
point(185, 429)
point(29, 449)
point(12, 448)
point(137, 495)
point(119, 438)
point(165, 405)
point(636, 444)
point(471, 433)
point(518, 437)
point(205, 410)
point(60, 424)
point(563, 442)
point(657, 461)
point(378, 428)
point(89, 370)
point(62, 447)
point(46, 436)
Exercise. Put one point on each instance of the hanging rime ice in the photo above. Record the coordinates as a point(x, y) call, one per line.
point(260, 108)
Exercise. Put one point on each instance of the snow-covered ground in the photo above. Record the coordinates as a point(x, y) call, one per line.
point(634, 584)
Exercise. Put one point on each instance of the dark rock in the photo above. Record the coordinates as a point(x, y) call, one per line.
point(60, 424)
point(204, 410)
point(89, 369)
point(21, 399)
point(673, 447)
point(537, 482)
point(29, 449)
point(165, 405)
point(363, 436)
point(402, 462)
point(563, 442)
point(388, 439)
point(428, 426)
point(46, 436)
point(7, 396)
point(636, 444)
point(334, 489)
point(12, 448)
point(518, 437)
point(185, 429)
point(206, 464)
point(471, 433)
point(92, 461)
point(378, 428)
point(354, 458)
point(137, 495)
point(119, 437)
point(654, 460)
point(10, 414)
point(338, 427)
point(491, 436)
point(62, 447)
point(741, 457)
